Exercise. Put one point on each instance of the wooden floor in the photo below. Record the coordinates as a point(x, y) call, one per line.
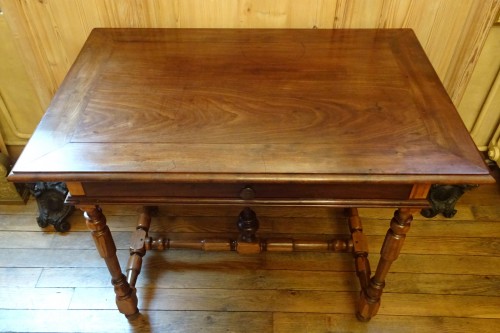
point(446, 280)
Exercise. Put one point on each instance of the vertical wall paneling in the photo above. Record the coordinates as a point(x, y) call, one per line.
point(491, 112)
point(480, 106)
point(20, 108)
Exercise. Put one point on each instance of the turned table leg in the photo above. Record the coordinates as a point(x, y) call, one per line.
point(126, 299)
point(138, 245)
point(369, 302)
point(360, 249)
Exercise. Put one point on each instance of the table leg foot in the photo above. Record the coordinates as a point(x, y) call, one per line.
point(371, 292)
point(126, 298)
point(369, 304)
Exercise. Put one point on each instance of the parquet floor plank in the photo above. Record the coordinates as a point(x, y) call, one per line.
point(447, 278)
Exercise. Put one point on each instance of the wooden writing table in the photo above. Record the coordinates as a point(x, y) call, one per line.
point(337, 118)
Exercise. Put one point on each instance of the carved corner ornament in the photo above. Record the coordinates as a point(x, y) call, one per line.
point(443, 199)
point(52, 210)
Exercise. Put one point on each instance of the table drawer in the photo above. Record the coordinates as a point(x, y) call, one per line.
point(254, 191)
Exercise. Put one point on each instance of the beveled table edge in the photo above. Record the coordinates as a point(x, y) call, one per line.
point(485, 178)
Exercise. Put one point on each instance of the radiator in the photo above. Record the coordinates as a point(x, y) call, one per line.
point(480, 105)
point(486, 128)
point(494, 146)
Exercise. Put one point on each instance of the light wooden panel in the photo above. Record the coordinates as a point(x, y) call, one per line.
point(19, 105)
point(51, 32)
point(480, 106)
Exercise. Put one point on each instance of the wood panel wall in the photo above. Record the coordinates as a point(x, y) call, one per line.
point(20, 109)
point(50, 33)
point(480, 106)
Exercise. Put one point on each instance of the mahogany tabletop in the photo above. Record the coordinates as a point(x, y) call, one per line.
point(358, 106)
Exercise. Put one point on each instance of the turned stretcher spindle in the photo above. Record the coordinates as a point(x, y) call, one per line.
point(262, 245)
point(138, 246)
point(369, 302)
point(360, 251)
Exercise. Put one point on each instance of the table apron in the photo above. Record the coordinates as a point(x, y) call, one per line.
point(244, 194)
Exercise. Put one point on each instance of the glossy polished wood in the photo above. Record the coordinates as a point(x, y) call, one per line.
point(363, 105)
point(252, 118)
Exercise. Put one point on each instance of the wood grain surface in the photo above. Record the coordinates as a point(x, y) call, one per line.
point(326, 103)
point(52, 32)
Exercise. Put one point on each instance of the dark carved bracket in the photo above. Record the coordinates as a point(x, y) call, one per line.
point(443, 199)
point(52, 210)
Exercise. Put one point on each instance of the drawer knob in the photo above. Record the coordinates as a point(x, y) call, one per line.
point(247, 193)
